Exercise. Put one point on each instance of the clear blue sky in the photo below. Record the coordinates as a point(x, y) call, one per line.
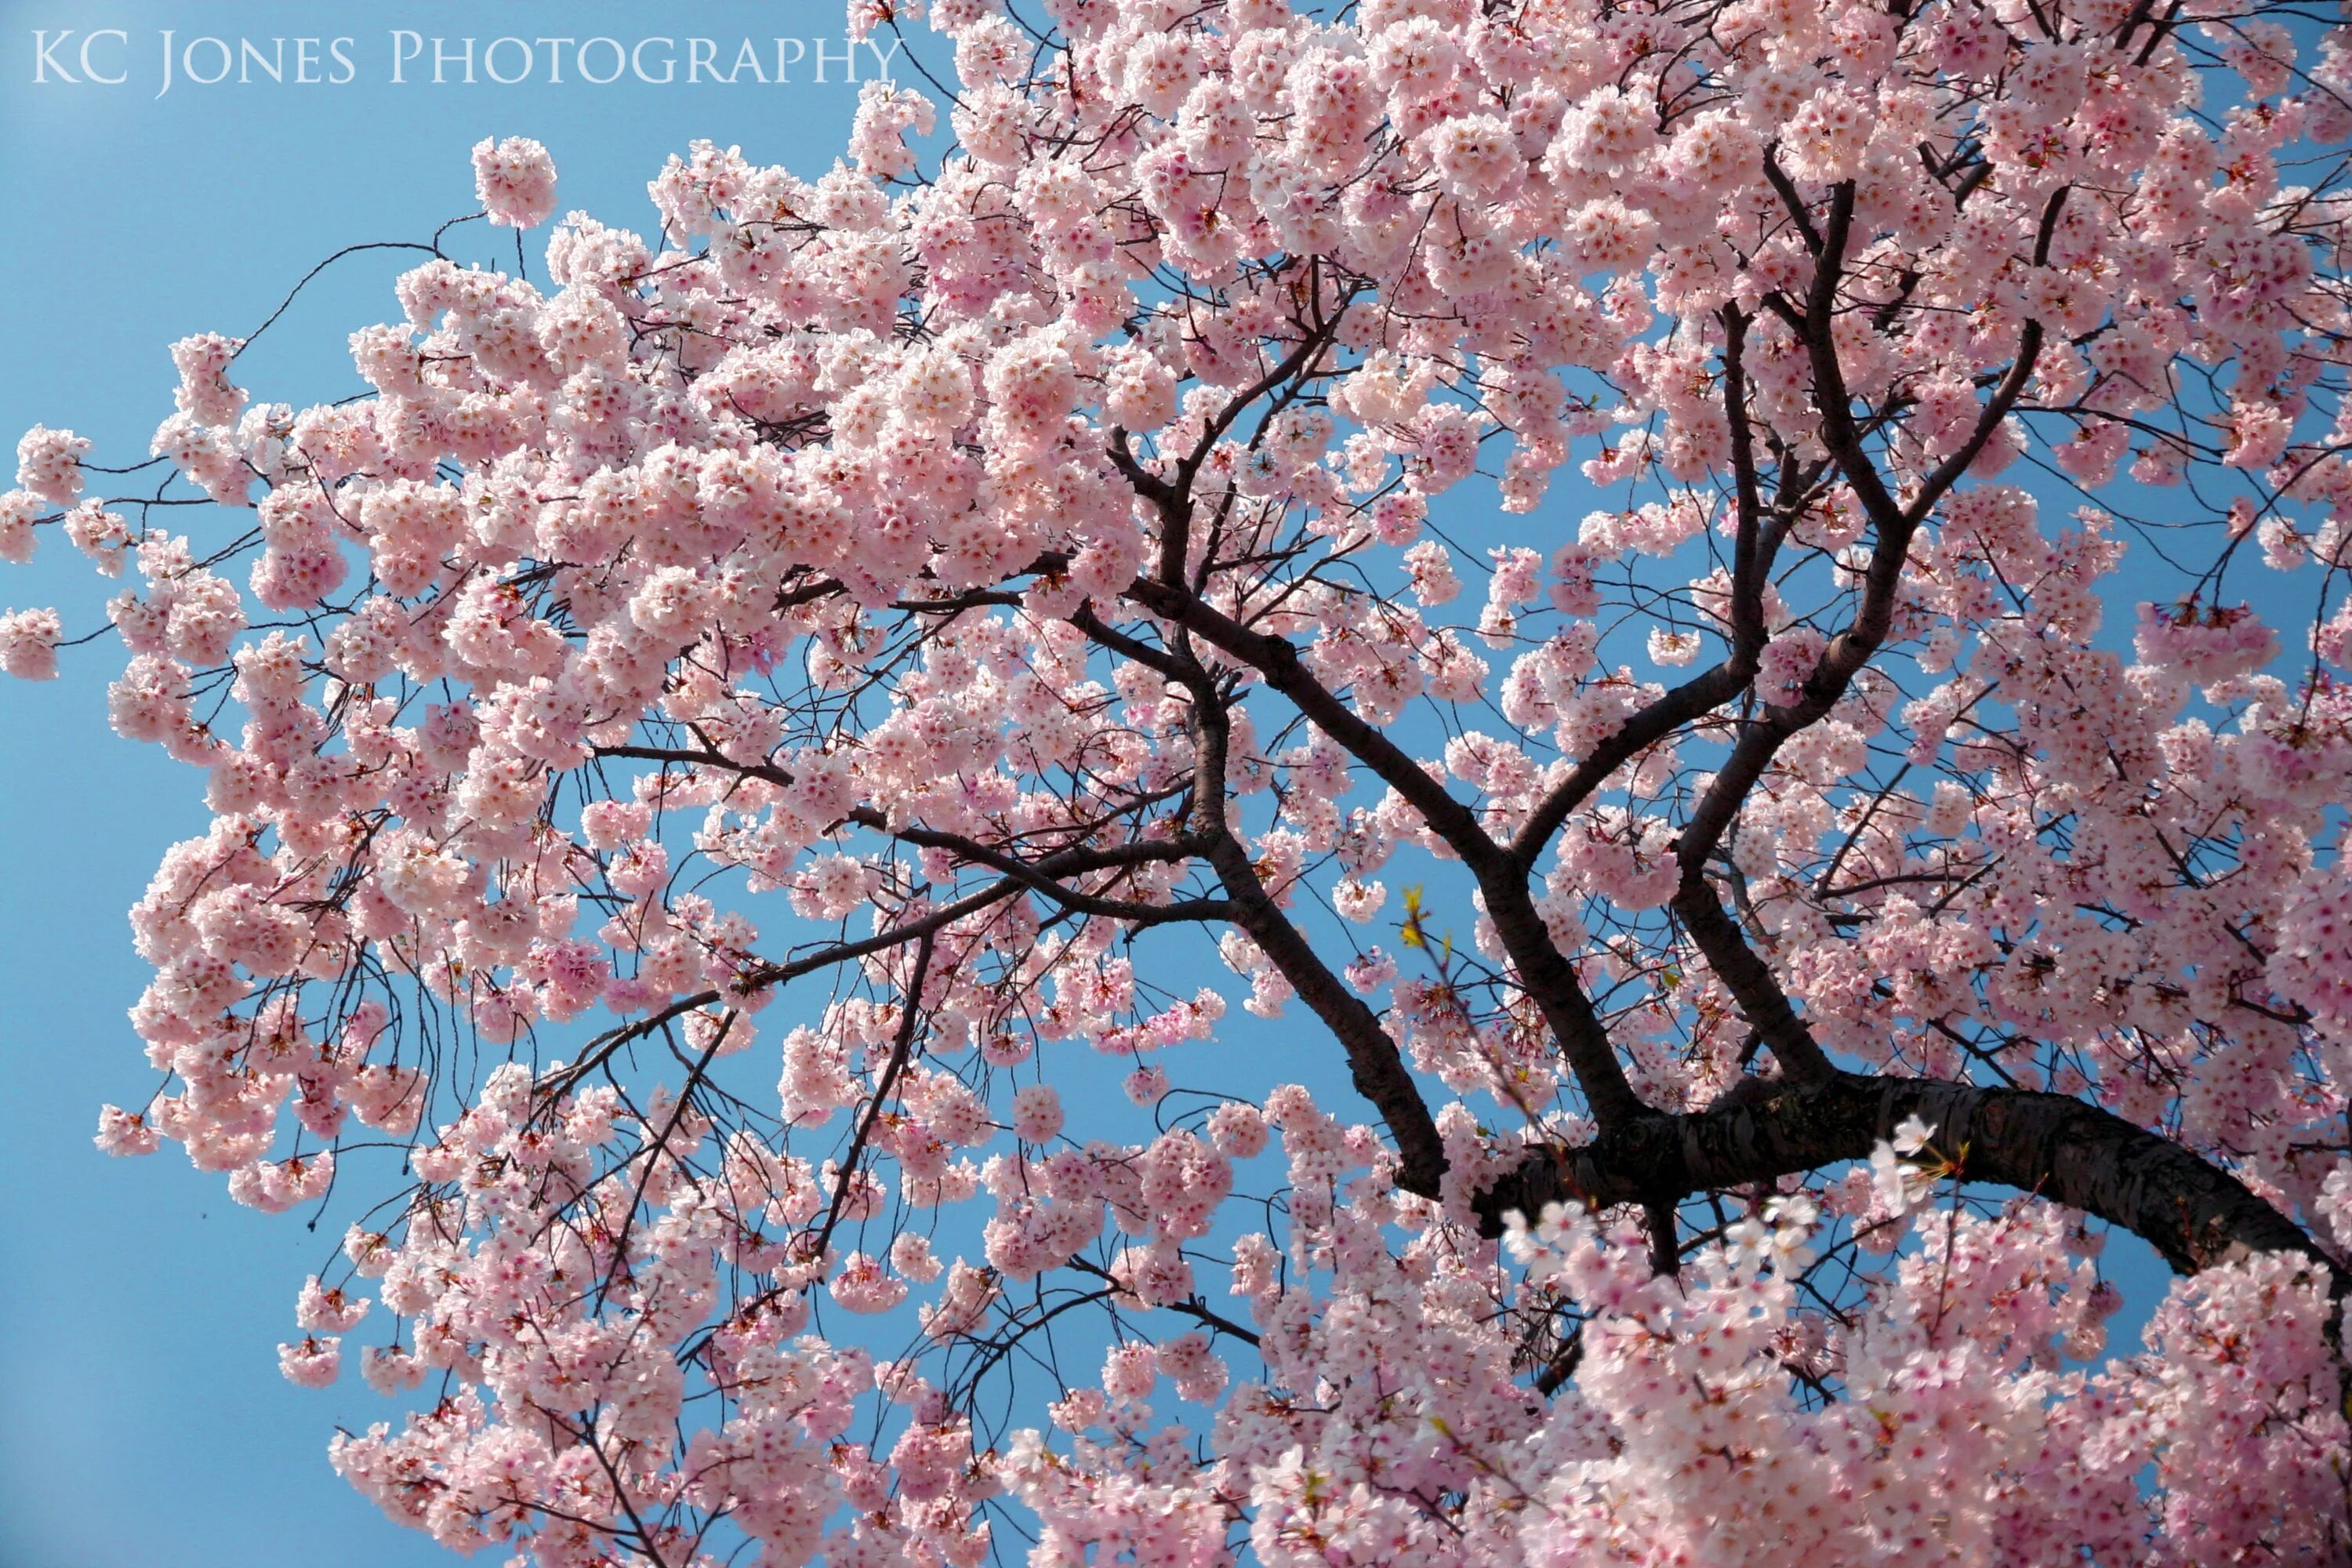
point(144, 1421)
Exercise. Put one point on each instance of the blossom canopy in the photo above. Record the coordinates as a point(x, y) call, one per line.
point(1735, 608)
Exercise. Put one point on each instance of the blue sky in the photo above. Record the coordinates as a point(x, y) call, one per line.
point(145, 1420)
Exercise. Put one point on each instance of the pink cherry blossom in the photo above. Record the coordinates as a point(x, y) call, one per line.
point(515, 179)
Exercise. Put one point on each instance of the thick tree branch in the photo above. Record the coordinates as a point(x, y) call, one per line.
point(1277, 662)
point(1374, 1064)
point(1548, 977)
point(2056, 1147)
point(1750, 980)
point(1694, 699)
point(1851, 649)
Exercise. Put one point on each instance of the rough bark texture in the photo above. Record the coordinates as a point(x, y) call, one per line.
point(2062, 1148)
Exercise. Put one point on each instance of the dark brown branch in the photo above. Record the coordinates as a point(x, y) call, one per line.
point(1790, 199)
point(1277, 662)
point(1665, 1242)
point(1549, 979)
point(1176, 503)
point(1751, 553)
point(1563, 1364)
point(1039, 875)
point(1830, 397)
point(1749, 980)
point(1192, 1307)
point(1693, 699)
point(2052, 1145)
point(605, 1045)
point(1715, 687)
point(1854, 647)
point(1374, 1065)
point(901, 1050)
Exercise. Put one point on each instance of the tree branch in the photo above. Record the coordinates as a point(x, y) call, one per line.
point(1749, 980)
point(1549, 979)
point(1374, 1065)
point(2056, 1147)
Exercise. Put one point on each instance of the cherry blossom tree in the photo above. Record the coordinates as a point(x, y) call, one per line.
point(1877, 832)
